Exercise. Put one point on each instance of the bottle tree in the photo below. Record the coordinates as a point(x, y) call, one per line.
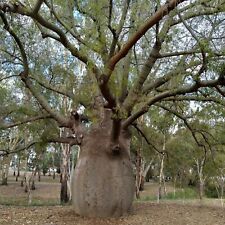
point(116, 59)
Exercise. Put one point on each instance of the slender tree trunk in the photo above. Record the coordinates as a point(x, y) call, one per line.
point(29, 185)
point(5, 173)
point(64, 193)
point(145, 169)
point(18, 168)
point(39, 175)
point(201, 189)
point(200, 165)
point(138, 172)
point(53, 166)
point(162, 186)
point(222, 192)
point(4, 178)
point(219, 184)
point(174, 185)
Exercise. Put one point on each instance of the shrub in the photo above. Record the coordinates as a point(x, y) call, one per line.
point(210, 191)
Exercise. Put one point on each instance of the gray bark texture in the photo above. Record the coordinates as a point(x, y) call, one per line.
point(103, 184)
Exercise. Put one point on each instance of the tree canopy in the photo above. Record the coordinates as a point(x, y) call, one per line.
point(131, 57)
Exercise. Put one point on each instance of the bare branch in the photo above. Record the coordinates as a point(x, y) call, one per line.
point(147, 67)
point(67, 140)
point(190, 13)
point(146, 139)
point(54, 89)
point(184, 119)
point(32, 119)
point(220, 91)
point(164, 10)
point(59, 118)
point(204, 62)
point(8, 77)
point(196, 98)
point(190, 52)
point(116, 33)
point(37, 6)
point(179, 91)
point(5, 152)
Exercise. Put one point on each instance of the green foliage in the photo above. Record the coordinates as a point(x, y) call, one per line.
point(55, 73)
point(210, 190)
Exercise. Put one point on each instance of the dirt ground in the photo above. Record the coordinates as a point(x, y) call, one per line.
point(144, 213)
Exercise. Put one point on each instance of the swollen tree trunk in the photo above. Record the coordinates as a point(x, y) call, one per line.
point(103, 182)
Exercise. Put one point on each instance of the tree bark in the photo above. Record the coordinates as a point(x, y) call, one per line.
point(201, 189)
point(138, 172)
point(103, 183)
point(162, 186)
point(64, 193)
point(200, 166)
point(5, 172)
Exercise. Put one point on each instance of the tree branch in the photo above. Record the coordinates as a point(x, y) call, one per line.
point(18, 42)
point(67, 140)
point(164, 10)
point(116, 33)
point(52, 88)
point(193, 131)
point(147, 67)
point(4, 152)
point(32, 119)
point(146, 139)
point(59, 118)
point(37, 6)
point(179, 91)
point(180, 68)
point(195, 98)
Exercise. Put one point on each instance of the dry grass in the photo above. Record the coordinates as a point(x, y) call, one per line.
point(144, 213)
point(46, 192)
point(190, 212)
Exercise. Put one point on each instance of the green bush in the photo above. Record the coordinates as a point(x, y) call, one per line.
point(210, 191)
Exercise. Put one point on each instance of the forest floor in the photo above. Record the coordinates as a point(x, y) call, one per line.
point(144, 213)
point(14, 211)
